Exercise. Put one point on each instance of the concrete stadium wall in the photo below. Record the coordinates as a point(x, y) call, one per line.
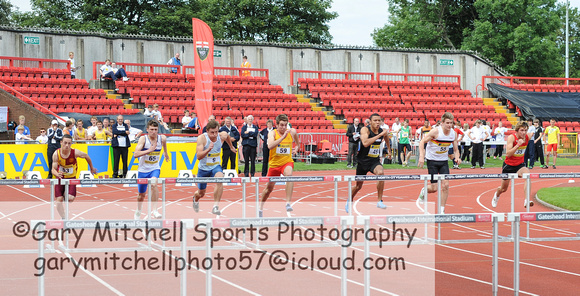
point(278, 59)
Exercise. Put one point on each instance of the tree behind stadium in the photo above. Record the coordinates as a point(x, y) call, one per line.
point(523, 36)
point(249, 20)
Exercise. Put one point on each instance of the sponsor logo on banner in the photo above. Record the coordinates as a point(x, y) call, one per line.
point(528, 217)
point(202, 48)
point(131, 175)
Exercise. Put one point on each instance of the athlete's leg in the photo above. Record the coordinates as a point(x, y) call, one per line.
point(198, 194)
point(356, 189)
point(379, 171)
point(444, 192)
point(265, 194)
point(218, 190)
point(59, 206)
point(289, 185)
point(503, 188)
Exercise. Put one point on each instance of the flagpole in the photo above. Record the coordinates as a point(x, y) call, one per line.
point(567, 47)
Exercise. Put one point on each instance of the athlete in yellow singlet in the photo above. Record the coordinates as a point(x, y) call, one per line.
point(282, 142)
point(80, 132)
point(100, 134)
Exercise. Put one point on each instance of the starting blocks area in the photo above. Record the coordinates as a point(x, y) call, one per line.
point(100, 249)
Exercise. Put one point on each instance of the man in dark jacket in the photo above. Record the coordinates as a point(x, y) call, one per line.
point(250, 144)
point(353, 134)
point(228, 155)
point(120, 143)
point(265, 151)
point(54, 135)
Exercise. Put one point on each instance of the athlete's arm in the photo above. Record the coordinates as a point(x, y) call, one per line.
point(201, 141)
point(296, 139)
point(165, 152)
point(433, 134)
point(273, 143)
point(55, 171)
point(226, 137)
point(139, 149)
point(81, 154)
point(510, 148)
point(364, 136)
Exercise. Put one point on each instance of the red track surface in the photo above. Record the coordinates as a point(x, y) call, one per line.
point(547, 268)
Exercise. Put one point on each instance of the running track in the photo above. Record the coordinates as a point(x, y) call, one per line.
point(547, 268)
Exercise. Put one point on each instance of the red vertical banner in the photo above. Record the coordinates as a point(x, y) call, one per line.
point(203, 47)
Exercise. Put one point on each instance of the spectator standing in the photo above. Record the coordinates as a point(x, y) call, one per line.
point(107, 71)
point(120, 144)
point(247, 65)
point(22, 122)
point(353, 134)
point(265, 151)
point(174, 61)
point(134, 133)
point(69, 128)
point(71, 62)
point(404, 143)
point(228, 154)
point(91, 130)
point(43, 139)
point(487, 130)
point(81, 133)
point(553, 134)
point(20, 136)
point(530, 149)
point(100, 136)
point(54, 136)
point(499, 137)
point(477, 134)
point(395, 128)
point(211, 117)
point(538, 143)
point(466, 143)
point(250, 144)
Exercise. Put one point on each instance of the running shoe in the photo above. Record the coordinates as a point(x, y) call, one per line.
point(289, 208)
point(554, 166)
point(544, 166)
point(494, 200)
point(137, 215)
point(260, 213)
point(156, 215)
point(381, 205)
point(216, 210)
point(531, 203)
point(422, 194)
point(473, 167)
point(196, 206)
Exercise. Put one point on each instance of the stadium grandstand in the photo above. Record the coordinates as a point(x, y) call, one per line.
point(317, 101)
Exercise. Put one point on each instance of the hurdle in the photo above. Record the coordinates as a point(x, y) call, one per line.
point(23, 182)
point(43, 225)
point(517, 218)
point(529, 178)
point(494, 219)
point(342, 222)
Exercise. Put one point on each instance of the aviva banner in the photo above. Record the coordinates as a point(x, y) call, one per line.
point(14, 159)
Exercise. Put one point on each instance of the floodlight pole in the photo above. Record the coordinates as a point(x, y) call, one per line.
point(567, 46)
